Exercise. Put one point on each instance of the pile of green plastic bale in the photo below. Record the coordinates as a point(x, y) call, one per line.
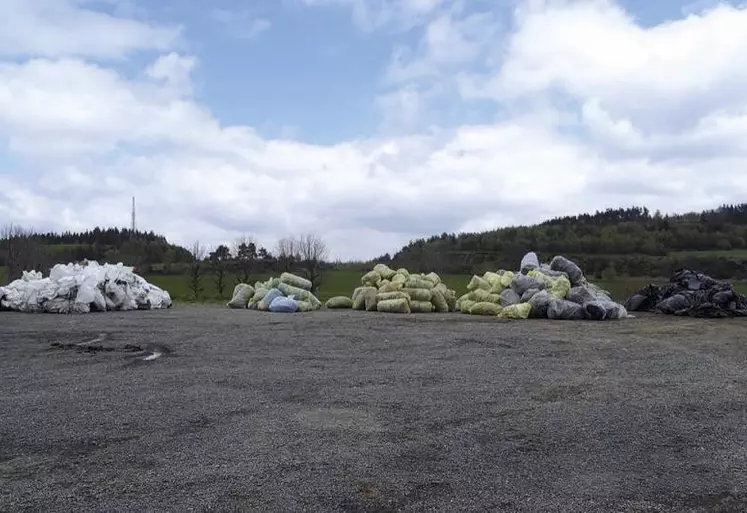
point(558, 290)
point(389, 291)
point(261, 295)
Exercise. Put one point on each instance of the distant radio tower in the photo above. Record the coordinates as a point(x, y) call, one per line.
point(134, 226)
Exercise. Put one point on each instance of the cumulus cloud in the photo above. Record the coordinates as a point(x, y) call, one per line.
point(56, 28)
point(660, 124)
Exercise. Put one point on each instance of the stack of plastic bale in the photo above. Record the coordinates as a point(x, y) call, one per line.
point(385, 290)
point(83, 288)
point(555, 291)
point(287, 294)
point(692, 294)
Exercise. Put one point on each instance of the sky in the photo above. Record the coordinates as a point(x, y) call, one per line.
point(367, 122)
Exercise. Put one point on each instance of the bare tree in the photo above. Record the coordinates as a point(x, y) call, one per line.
point(288, 253)
point(196, 269)
point(312, 253)
point(22, 251)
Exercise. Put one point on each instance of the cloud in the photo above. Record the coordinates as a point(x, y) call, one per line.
point(55, 28)
point(593, 52)
point(579, 129)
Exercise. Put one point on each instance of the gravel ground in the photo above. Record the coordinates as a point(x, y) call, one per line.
point(353, 411)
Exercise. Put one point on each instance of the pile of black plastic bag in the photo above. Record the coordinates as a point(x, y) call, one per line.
point(690, 293)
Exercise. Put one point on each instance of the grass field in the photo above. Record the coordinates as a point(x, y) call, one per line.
point(343, 282)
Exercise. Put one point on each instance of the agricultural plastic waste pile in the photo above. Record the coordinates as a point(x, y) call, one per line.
point(692, 294)
point(82, 288)
point(287, 294)
point(386, 290)
point(558, 290)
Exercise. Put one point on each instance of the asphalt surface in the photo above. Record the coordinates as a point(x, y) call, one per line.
point(354, 411)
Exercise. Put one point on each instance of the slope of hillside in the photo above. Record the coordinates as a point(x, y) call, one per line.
point(630, 241)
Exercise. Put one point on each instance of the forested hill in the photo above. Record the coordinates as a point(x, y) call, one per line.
point(22, 249)
point(630, 241)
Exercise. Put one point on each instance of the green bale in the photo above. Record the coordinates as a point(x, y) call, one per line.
point(242, 294)
point(433, 277)
point(419, 294)
point(384, 271)
point(298, 294)
point(359, 297)
point(388, 296)
point(560, 287)
point(507, 278)
point(517, 311)
point(414, 282)
point(296, 281)
point(439, 301)
point(338, 302)
point(466, 305)
point(478, 283)
point(391, 286)
point(368, 297)
point(485, 308)
point(479, 296)
point(371, 278)
point(401, 305)
point(259, 294)
point(305, 306)
point(421, 307)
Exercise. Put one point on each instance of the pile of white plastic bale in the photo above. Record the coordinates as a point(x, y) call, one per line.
point(389, 291)
point(287, 294)
point(82, 288)
point(555, 291)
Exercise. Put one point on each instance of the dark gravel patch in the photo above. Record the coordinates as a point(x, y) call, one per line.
point(349, 411)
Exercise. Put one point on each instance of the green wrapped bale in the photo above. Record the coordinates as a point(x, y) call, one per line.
point(305, 306)
point(421, 307)
point(384, 271)
point(242, 294)
point(478, 283)
point(295, 281)
point(485, 308)
point(371, 279)
point(359, 297)
point(399, 278)
point(466, 305)
point(401, 306)
point(414, 282)
point(517, 311)
point(259, 294)
point(391, 286)
point(339, 302)
point(480, 296)
point(433, 277)
point(388, 296)
point(419, 294)
point(298, 294)
point(369, 299)
point(439, 301)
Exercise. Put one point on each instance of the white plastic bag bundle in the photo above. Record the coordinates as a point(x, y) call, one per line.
point(80, 288)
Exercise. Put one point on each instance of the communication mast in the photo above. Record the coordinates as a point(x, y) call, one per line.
point(134, 226)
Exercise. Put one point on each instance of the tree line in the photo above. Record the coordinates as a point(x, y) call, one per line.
point(616, 242)
point(305, 254)
point(625, 241)
point(23, 249)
